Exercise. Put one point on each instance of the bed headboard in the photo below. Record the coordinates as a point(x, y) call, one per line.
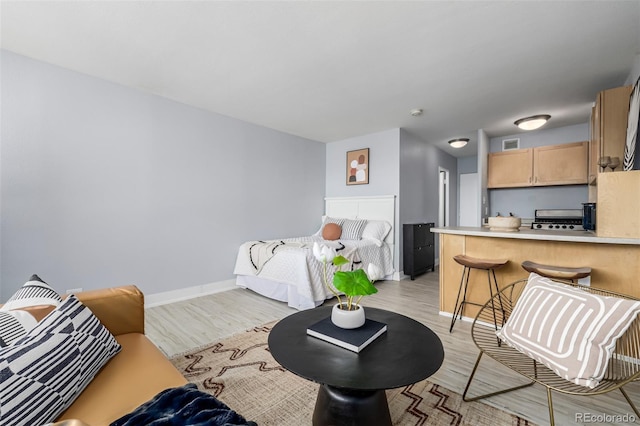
point(381, 207)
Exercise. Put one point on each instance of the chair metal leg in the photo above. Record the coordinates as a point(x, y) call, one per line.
point(475, 398)
point(493, 308)
point(552, 421)
point(633, 406)
point(495, 282)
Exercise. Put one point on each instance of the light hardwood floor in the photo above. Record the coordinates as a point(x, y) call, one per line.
point(181, 326)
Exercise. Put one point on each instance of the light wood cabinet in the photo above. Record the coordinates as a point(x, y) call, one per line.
point(594, 145)
point(608, 130)
point(618, 206)
point(564, 164)
point(510, 169)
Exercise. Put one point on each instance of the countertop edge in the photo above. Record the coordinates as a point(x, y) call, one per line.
point(527, 234)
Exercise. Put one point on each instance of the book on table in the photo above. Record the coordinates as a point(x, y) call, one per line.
point(355, 339)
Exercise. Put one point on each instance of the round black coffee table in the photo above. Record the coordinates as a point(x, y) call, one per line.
point(352, 385)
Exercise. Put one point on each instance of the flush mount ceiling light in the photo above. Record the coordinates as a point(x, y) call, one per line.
point(533, 122)
point(458, 143)
point(416, 112)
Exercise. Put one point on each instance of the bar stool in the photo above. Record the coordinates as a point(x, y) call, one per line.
point(469, 263)
point(556, 272)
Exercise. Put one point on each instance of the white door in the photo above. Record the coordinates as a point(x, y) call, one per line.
point(443, 195)
point(469, 200)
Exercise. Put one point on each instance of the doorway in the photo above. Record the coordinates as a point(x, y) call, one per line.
point(469, 200)
point(443, 197)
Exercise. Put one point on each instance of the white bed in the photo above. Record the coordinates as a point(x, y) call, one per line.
point(293, 274)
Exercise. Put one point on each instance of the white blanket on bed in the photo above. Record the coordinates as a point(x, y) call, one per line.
point(296, 266)
point(260, 252)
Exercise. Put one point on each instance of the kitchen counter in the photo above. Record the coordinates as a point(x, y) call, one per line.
point(615, 262)
point(531, 234)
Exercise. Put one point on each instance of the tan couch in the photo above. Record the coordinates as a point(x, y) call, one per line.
point(136, 374)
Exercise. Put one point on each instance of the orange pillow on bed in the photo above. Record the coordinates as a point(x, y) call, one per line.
point(331, 231)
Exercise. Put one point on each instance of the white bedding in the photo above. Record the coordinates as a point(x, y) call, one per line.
point(294, 275)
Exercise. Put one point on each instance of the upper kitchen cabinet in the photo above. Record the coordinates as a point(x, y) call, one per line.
point(510, 169)
point(608, 127)
point(564, 164)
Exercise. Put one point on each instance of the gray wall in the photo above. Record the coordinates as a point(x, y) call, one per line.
point(419, 163)
point(400, 165)
point(384, 175)
point(635, 71)
point(467, 165)
point(384, 148)
point(523, 201)
point(102, 185)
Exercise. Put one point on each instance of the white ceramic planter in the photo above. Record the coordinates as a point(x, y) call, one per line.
point(347, 319)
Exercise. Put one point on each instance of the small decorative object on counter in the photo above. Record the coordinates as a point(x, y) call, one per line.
point(347, 313)
point(505, 223)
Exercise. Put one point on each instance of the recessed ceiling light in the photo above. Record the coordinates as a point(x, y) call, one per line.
point(458, 143)
point(533, 122)
point(416, 112)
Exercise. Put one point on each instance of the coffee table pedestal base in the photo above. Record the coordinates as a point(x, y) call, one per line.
point(335, 406)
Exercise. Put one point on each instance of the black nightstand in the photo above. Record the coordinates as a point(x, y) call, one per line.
point(418, 248)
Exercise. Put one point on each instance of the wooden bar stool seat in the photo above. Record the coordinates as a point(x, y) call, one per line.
point(476, 263)
point(556, 272)
point(469, 263)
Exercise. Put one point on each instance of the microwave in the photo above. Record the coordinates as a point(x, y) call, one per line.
point(589, 216)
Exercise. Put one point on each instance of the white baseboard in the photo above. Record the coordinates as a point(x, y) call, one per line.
point(402, 276)
point(157, 299)
point(466, 319)
point(450, 315)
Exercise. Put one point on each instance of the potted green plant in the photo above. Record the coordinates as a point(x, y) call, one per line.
point(354, 285)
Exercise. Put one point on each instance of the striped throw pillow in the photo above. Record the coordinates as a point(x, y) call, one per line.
point(571, 331)
point(34, 292)
point(44, 371)
point(32, 302)
point(352, 229)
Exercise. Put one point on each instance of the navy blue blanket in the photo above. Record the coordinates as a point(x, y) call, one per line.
point(183, 406)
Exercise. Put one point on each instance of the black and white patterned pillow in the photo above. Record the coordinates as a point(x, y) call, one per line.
point(43, 372)
point(18, 316)
point(13, 325)
point(34, 292)
point(352, 229)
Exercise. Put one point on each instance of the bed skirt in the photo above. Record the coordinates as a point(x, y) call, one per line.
point(278, 291)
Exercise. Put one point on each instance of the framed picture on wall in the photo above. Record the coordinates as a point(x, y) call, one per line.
point(358, 167)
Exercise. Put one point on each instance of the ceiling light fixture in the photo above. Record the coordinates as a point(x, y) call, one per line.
point(416, 112)
point(458, 143)
point(533, 122)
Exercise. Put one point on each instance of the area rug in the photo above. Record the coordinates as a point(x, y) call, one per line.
point(241, 372)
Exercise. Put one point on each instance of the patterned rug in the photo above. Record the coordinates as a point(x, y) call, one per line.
point(241, 372)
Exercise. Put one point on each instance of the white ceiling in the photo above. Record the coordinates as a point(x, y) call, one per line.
point(333, 70)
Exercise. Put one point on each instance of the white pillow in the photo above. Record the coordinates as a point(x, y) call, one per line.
point(376, 230)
